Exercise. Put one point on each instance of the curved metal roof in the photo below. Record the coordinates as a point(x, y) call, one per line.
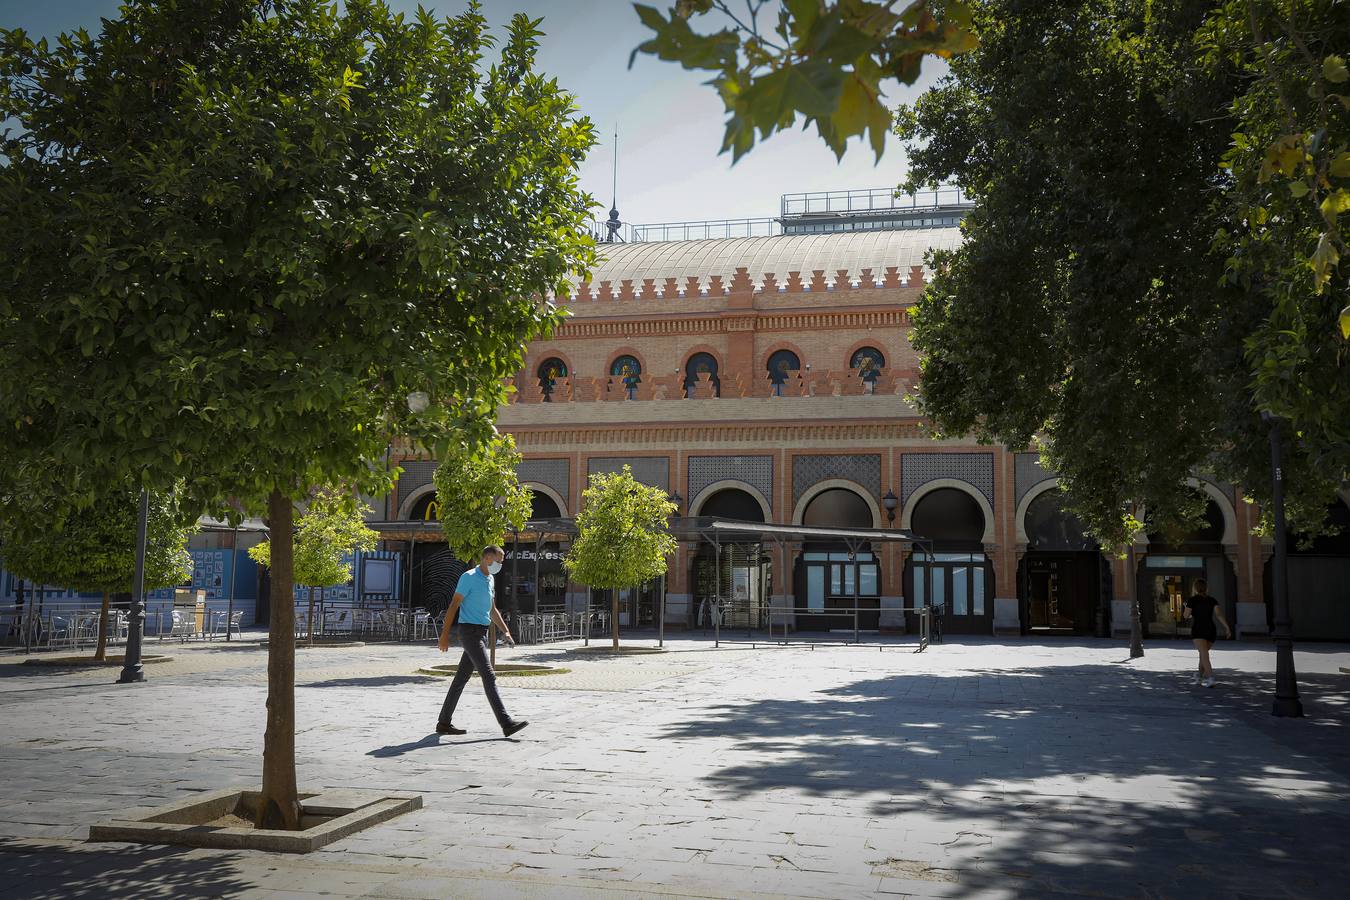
point(779, 255)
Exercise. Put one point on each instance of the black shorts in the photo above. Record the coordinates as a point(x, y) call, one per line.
point(1210, 634)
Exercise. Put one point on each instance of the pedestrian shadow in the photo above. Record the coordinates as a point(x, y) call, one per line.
point(433, 740)
point(371, 681)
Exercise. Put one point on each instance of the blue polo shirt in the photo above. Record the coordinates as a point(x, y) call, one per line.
point(477, 591)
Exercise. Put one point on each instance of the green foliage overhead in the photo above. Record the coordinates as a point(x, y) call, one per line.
point(94, 551)
point(480, 497)
point(332, 524)
point(1088, 309)
point(825, 61)
point(252, 229)
point(1285, 208)
point(622, 538)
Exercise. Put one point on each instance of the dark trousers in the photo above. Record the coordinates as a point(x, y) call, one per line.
point(474, 638)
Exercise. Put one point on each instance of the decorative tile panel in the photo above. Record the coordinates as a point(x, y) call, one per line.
point(416, 474)
point(553, 473)
point(864, 469)
point(975, 469)
point(756, 471)
point(651, 470)
point(1028, 472)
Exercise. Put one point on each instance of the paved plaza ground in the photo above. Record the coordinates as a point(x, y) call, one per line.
point(978, 768)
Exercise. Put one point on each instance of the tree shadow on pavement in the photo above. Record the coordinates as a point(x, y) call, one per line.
point(1083, 779)
point(48, 871)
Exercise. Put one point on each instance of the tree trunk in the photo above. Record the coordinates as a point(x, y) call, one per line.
point(279, 805)
point(101, 651)
point(614, 615)
point(311, 615)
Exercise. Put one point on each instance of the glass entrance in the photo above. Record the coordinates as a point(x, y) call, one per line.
point(832, 581)
point(1169, 582)
point(742, 583)
point(960, 587)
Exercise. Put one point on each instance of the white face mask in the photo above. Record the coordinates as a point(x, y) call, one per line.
point(494, 568)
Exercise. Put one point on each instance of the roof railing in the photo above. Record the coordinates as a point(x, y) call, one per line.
point(818, 203)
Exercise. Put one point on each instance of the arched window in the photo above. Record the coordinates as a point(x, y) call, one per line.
point(782, 363)
point(542, 506)
point(867, 362)
point(550, 370)
point(629, 369)
point(696, 365)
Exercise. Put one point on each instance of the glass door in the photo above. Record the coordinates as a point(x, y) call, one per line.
point(960, 587)
point(1168, 582)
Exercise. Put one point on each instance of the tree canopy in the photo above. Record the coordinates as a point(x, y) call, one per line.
point(825, 61)
point(94, 551)
point(622, 540)
point(481, 499)
point(254, 228)
point(1093, 138)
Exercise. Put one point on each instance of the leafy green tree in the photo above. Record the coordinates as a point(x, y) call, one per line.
point(1091, 135)
point(254, 230)
point(480, 497)
point(825, 61)
point(622, 538)
point(1283, 237)
point(332, 524)
point(94, 551)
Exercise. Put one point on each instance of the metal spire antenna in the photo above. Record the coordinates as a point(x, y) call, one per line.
point(613, 225)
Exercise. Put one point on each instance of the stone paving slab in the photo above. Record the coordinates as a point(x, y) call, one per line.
point(979, 768)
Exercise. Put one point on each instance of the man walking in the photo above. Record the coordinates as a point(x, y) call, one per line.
point(474, 595)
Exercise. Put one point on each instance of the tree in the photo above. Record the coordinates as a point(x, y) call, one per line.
point(826, 61)
point(1091, 135)
point(332, 524)
point(254, 230)
point(622, 538)
point(1289, 159)
point(94, 551)
point(480, 497)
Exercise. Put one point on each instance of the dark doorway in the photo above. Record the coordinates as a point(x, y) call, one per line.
point(1319, 581)
point(962, 579)
point(738, 575)
point(829, 579)
point(1175, 562)
point(1062, 572)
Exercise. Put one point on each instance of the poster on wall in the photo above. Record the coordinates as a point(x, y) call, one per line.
point(210, 572)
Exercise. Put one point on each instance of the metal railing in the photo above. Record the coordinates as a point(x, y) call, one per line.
point(930, 620)
point(708, 229)
point(869, 200)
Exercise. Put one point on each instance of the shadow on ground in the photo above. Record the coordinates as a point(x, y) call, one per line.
point(40, 871)
point(1188, 797)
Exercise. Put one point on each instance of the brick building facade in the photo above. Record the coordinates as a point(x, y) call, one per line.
point(766, 378)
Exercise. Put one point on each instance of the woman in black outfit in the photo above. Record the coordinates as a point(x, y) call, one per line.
point(1202, 610)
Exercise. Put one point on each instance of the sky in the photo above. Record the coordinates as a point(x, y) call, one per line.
point(670, 124)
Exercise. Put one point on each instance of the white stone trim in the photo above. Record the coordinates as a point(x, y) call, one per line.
point(548, 492)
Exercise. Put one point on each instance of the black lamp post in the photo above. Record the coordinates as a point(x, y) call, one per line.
point(890, 501)
point(1287, 702)
point(132, 670)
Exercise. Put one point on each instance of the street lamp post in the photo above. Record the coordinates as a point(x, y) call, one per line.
point(132, 670)
point(891, 502)
point(1287, 702)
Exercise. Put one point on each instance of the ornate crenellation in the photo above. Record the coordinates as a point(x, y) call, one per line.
point(817, 281)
